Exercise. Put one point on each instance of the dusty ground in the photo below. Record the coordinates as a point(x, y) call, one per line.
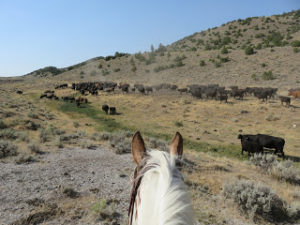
point(95, 174)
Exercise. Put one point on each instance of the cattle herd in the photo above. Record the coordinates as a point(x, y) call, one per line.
point(212, 91)
point(250, 143)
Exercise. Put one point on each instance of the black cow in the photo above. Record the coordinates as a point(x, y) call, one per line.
point(105, 108)
point(148, 89)
point(287, 100)
point(19, 92)
point(249, 145)
point(222, 97)
point(266, 141)
point(112, 110)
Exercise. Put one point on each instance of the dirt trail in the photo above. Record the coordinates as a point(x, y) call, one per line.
point(83, 170)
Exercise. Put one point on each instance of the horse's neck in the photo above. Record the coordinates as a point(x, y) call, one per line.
point(162, 204)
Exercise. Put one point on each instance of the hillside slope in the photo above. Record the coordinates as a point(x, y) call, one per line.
point(238, 52)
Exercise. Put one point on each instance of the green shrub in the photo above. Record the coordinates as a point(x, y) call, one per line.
point(178, 124)
point(104, 210)
point(44, 135)
point(31, 125)
point(263, 65)
point(268, 75)
point(7, 149)
point(26, 160)
point(254, 77)
point(295, 43)
point(35, 149)
point(217, 64)
point(2, 125)
point(8, 134)
point(70, 192)
point(139, 56)
point(105, 72)
point(117, 70)
point(249, 50)
point(224, 50)
point(295, 50)
point(202, 63)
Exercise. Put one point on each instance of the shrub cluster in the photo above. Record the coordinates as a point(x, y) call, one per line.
point(249, 50)
point(268, 75)
point(258, 199)
point(284, 170)
point(7, 149)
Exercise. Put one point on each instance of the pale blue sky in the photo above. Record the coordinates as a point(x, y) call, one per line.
point(39, 33)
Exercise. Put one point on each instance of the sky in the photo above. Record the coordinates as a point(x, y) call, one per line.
point(39, 33)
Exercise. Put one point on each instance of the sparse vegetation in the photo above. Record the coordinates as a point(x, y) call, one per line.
point(7, 149)
point(295, 43)
point(268, 75)
point(283, 170)
point(254, 77)
point(257, 199)
point(202, 63)
point(178, 124)
point(104, 210)
point(70, 192)
point(249, 50)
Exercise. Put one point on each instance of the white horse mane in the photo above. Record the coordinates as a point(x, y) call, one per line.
point(162, 197)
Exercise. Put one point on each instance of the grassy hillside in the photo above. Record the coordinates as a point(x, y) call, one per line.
point(238, 52)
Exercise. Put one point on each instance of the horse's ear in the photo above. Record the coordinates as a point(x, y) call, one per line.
point(176, 145)
point(138, 148)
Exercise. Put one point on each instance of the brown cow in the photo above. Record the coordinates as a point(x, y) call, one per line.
point(295, 93)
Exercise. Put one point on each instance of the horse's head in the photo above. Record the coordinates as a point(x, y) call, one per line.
point(158, 194)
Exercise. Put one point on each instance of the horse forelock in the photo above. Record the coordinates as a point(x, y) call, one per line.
point(137, 177)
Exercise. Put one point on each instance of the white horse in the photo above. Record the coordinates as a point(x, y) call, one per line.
point(158, 194)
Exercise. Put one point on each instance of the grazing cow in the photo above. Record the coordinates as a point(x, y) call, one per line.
point(81, 100)
point(173, 87)
point(105, 108)
point(262, 96)
point(19, 92)
point(295, 93)
point(140, 88)
point(61, 86)
point(196, 91)
point(43, 96)
point(181, 90)
point(112, 110)
point(68, 98)
point(267, 141)
point(287, 100)
point(211, 92)
point(148, 89)
point(249, 145)
point(222, 97)
point(49, 92)
point(238, 93)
